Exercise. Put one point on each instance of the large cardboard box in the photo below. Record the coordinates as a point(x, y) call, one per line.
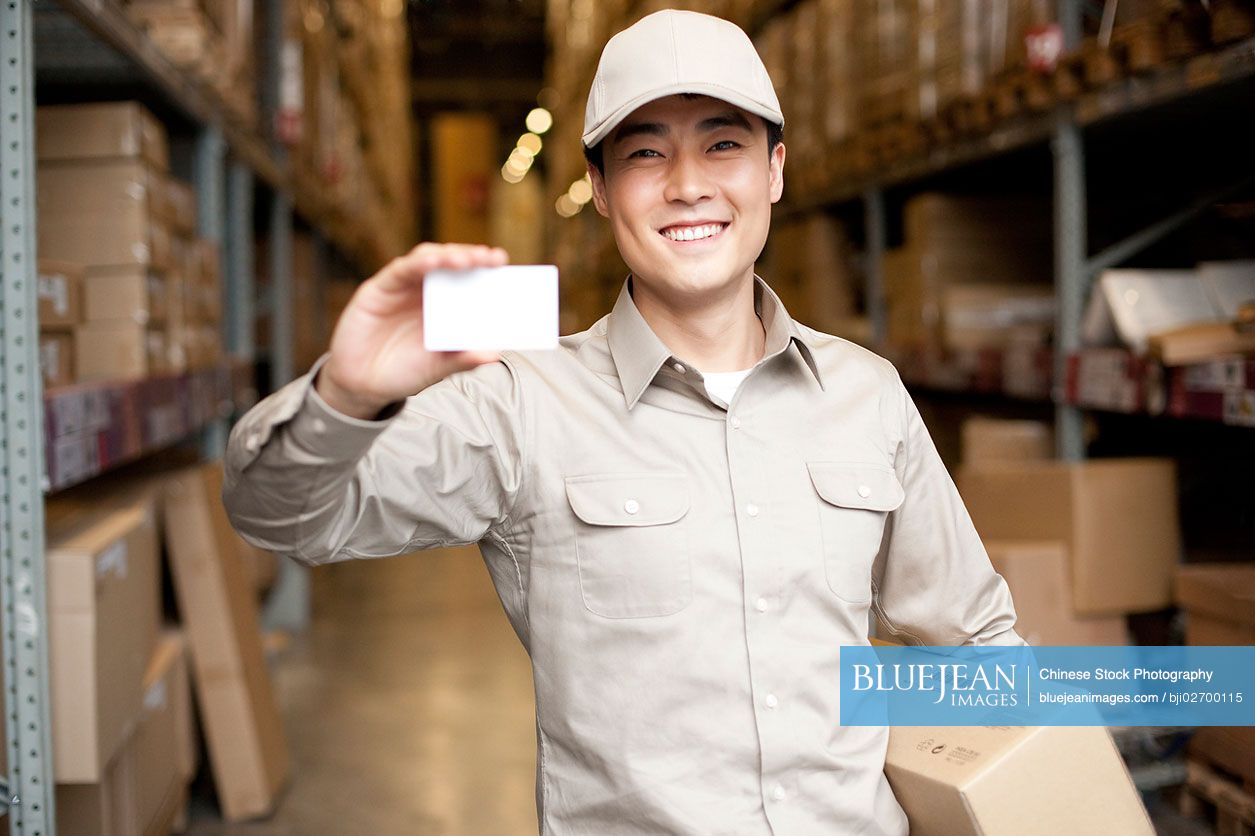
point(1219, 604)
point(119, 349)
point(100, 130)
point(1013, 781)
point(60, 293)
point(1000, 440)
point(1037, 574)
point(104, 608)
point(1117, 517)
point(1219, 592)
point(103, 808)
point(160, 771)
point(125, 293)
point(99, 213)
point(243, 729)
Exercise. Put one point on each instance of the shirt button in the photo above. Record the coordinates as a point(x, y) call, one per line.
point(319, 425)
point(679, 367)
point(864, 491)
point(631, 506)
point(770, 701)
point(761, 605)
point(751, 509)
point(778, 793)
point(252, 443)
point(734, 422)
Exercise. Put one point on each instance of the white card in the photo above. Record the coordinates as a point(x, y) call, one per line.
point(491, 308)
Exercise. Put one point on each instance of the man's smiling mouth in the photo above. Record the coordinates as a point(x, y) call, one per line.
point(692, 232)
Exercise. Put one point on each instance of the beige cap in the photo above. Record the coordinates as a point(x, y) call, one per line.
point(672, 52)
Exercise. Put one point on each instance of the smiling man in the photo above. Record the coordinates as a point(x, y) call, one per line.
point(686, 510)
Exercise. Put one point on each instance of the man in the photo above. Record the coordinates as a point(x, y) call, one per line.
point(686, 509)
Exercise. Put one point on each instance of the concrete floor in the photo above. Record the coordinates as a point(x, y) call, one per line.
point(408, 708)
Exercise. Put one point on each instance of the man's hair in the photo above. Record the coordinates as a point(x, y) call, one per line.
point(775, 136)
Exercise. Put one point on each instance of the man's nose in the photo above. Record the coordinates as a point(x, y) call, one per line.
point(688, 181)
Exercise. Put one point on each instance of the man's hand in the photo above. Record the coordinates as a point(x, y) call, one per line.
point(377, 354)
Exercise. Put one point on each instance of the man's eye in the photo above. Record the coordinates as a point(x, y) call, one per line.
point(725, 145)
point(645, 152)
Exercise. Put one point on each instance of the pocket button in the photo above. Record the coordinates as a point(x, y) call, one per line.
point(631, 506)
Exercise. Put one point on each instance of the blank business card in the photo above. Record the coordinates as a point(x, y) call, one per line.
point(491, 308)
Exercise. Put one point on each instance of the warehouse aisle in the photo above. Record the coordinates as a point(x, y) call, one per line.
point(408, 708)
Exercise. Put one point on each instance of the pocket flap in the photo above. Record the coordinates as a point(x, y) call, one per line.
point(853, 485)
point(628, 499)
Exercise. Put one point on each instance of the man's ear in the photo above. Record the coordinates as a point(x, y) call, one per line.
point(776, 174)
point(599, 190)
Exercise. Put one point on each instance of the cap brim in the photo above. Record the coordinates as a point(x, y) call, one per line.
point(603, 128)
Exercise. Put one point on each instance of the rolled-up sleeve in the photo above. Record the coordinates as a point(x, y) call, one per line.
point(933, 582)
point(307, 482)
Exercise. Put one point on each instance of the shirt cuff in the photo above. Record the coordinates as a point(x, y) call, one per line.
point(330, 434)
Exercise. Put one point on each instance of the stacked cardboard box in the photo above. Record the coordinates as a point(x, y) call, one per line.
point(1037, 571)
point(810, 266)
point(101, 192)
point(107, 201)
point(973, 272)
point(123, 743)
point(351, 122)
point(144, 789)
point(211, 39)
point(1117, 519)
point(60, 293)
point(1219, 604)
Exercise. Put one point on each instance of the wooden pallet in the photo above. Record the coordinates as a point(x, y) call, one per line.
point(1216, 795)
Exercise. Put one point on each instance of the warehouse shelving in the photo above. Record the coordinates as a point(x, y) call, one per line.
point(1104, 379)
point(56, 439)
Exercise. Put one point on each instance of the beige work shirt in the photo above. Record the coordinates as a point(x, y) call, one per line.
point(682, 574)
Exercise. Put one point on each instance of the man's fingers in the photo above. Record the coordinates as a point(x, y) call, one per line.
point(407, 271)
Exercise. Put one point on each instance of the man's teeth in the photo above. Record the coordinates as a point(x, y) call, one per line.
point(692, 233)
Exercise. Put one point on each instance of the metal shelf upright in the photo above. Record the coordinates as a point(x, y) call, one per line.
point(29, 785)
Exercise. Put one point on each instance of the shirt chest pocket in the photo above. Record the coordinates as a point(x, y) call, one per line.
point(854, 502)
point(631, 543)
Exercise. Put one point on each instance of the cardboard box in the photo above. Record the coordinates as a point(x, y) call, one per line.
point(104, 606)
point(1037, 574)
point(1117, 517)
point(1223, 592)
point(99, 213)
point(997, 440)
point(100, 130)
point(160, 770)
point(181, 200)
point(119, 349)
point(1219, 604)
point(56, 358)
point(60, 294)
point(103, 808)
point(1013, 781)
point(135, 294)
point(243, 729)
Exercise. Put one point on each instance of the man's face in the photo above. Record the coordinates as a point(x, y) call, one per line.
point(688, 188)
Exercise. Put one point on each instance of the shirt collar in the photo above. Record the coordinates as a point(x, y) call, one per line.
point(638, 353)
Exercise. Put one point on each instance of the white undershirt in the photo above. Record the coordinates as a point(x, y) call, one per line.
point(722, 386)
